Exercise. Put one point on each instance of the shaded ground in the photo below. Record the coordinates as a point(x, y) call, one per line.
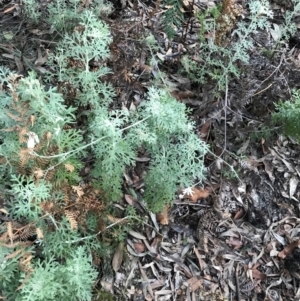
point(238, 239)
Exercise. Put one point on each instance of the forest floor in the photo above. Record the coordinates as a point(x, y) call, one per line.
point(236, 236)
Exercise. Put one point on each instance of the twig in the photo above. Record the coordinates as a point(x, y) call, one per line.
point(72, 152)
point(225, 116)
point(238, 292)
point(110, 226)
point(94, 235)
point(263, 90)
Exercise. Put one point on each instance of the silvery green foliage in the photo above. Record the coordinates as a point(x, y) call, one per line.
point(51, 115)
point(287, 115)
point(28, 196)
point(177, 154)
point(63, 15)
point(160, 125)
point(69, 281)
point(47, 104)
point(32, 9)
point(219, 62)
point(289, 28)
point(9, 272)
point(70, 61)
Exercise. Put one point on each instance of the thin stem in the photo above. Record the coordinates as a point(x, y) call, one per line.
point(87, 145)
point(94, 235)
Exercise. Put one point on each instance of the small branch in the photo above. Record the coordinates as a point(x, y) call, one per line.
point(94, 235)
point(238, 292)
point(70, 153)
point(225, 115)
point(110, 226)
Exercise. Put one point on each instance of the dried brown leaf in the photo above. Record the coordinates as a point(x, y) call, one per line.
point(136, 234)
point(11, 8)
point(72, 219)
point(197, 194)
point(133, 202)
point(3, 210)
point(269, 170)
point(146, 280)
point(10, 231)
point(48, 135)
point(288, 250)
point(181, 95)
point(78, 190)
point(115, 219)
point(32, 119)
point(158, 283)
point(194, 283)
point(139, 247)
point(38, 173)
point(205, 129)
point(255, 273)
point(69, 167)
point(39, 233)
point(118, 257)
point(199, 258)
point(130, 199)
point(163, 216)
point(41, 60)
point(239, 214)
point(234, 242)
point(146, 68)
point(293, 185)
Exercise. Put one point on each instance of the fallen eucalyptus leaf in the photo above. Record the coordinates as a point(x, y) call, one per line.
point(118, 257)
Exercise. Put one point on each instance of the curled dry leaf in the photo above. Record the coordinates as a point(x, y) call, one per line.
point(139, 247)
point(78, 190)
point(137, 234)
point(205, 129)
point(255, 273)
point(197, 194)
point(69, 167)
point(39, 173)
point(130, 200)
point(39, 233)
point(194, 283)
point(33, 139)
point(293, 186)
point(8, 10)
point(48, 135)
point(32, 119)
point(133, 202)
point(199, 258)
point(113, 219)
point(288, 250)
point(234, 242)
point(182, 94)
point(162, 217)
point(10, 231)
point(239, 214)
point(3, 210)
